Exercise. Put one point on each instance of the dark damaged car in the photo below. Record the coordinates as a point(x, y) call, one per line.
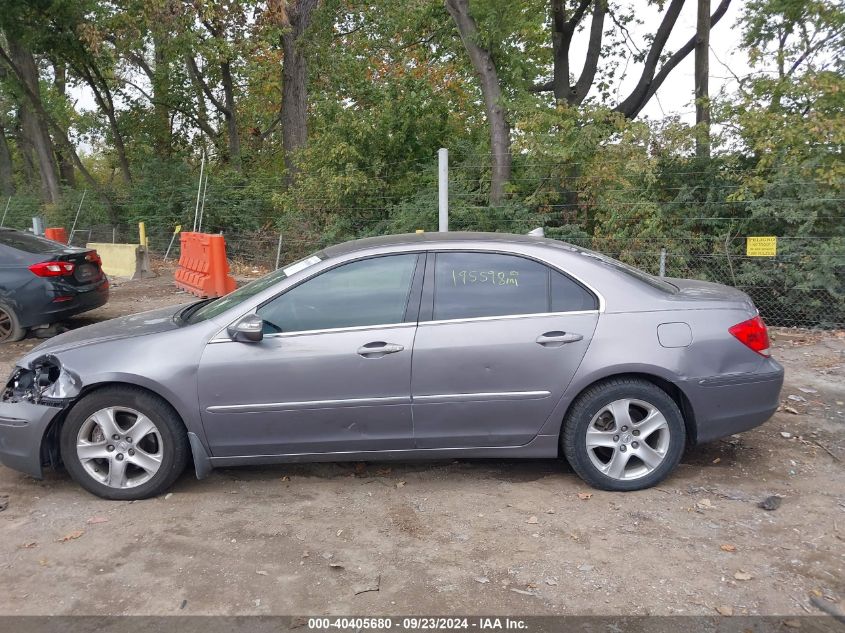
point(404, 347)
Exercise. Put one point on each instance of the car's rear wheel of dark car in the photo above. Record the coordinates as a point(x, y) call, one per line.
point(124, 443)
point(10, 326)
point(623, 434)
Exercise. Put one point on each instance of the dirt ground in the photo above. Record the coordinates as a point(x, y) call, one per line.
point(458, 537)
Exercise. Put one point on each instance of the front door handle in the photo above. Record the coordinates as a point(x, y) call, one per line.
point(377, 349)
point(556, 339)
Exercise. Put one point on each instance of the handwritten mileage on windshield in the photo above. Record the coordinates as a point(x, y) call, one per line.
point(493, 277)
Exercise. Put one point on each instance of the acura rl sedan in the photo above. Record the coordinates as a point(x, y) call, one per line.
point(406, 347)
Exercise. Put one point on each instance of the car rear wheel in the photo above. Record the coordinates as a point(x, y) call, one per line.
point(10, 326)
point(623, 434)
point(124, 443)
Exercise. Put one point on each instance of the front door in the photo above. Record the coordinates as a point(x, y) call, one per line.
point(332, 373)
point(505, 337)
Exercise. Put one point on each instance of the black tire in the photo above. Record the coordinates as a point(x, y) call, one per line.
point(10, 326)
point(172, 445)
point(595, 401)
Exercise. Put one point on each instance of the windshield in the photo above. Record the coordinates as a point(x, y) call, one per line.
point(28, 242)
point(204, 311)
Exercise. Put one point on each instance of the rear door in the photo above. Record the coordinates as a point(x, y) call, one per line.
point(500, 338)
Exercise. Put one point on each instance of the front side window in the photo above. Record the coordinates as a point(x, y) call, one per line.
point(468, 285)
point(366, 292)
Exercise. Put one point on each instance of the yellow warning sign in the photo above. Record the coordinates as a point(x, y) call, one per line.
point(761, 246)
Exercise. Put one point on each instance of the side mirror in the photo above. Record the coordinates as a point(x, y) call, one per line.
point(249, 329)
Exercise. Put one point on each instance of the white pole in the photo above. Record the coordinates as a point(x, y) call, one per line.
point(8, 202)
point(202, 207)
point(279, 251)
point(443, 189)
point(199, 192)
point(78, 209)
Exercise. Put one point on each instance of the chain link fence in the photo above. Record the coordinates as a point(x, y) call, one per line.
point(788, 288)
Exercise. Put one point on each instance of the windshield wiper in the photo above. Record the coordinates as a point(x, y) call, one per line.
point(189, 310)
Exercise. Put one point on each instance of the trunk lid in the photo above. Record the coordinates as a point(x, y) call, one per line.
point(705, 292)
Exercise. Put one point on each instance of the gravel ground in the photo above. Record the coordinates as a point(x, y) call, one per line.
point(461, 537)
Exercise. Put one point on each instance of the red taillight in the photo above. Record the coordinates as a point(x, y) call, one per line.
point(94, 258)
point(52, 269)
point(753, 334)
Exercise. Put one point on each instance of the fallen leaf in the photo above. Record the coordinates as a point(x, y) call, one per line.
point(523, 592)
point(583, 496)
point(727, 547)
point(168, 495)
point(717, 460)
point(261, 572)
point(786, 435)
point(791, 410)
point(28, 545)
point(401, 484)
point(337, 566)
point(383, 472)
point(532, 520)
point(70, 537)
point(792, 624)
point(743, 575)
point(43, 562)
point(95, 520)
point(339, 532)
point(551, 582)
point(725, 610)
point(550, 511)
point(285, 478)
point(482, 579)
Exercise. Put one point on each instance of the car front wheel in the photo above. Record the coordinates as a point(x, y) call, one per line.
point(124, 443)
point(623, 434)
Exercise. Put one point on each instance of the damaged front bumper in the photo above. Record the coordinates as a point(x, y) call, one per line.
point(31, 400)
point(22, 427)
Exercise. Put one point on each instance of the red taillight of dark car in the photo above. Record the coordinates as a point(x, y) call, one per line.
point(52, 269)
point(753, 334)
point(94, 258)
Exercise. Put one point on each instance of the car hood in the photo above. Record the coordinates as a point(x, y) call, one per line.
point(131, 326)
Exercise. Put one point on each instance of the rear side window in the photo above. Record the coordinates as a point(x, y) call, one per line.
point(569, 295)
point(468, 285)
point(27, 242)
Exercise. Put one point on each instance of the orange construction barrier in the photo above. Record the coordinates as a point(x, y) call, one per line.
point(203, 268)
point(56, 234)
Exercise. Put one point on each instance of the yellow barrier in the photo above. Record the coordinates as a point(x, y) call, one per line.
point(123, 260)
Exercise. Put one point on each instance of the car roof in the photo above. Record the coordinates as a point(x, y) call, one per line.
point(432, 240)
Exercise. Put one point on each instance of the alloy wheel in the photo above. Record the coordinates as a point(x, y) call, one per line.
point(119, 447)
point(627, 439)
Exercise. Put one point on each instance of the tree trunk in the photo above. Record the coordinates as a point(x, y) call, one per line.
point(294, 111)
point(230, 114)
point(160, 80)
point(702, 72)
point(491, 90)
point(34, 99)
point(33, 125)
point(7, 183)
point(66, 170)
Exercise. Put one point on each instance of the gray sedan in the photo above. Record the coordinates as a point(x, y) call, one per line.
point(404, 347)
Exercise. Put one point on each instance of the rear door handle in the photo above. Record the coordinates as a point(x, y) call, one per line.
point(556, 339)
point(377, 349)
